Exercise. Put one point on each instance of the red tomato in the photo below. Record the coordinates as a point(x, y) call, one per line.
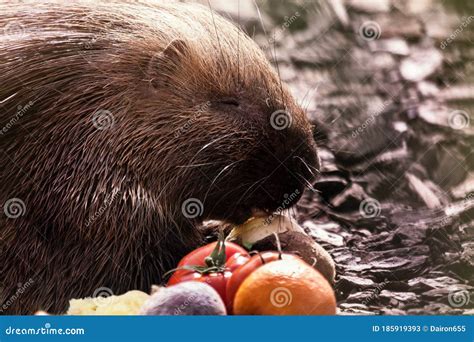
point(243, 271)
point(212, 264)
point(198, 256)
point(237, 260)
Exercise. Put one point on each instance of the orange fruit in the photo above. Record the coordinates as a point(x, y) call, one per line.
point(285, 287)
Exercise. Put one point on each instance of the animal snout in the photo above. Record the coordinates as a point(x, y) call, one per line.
point(293, 165)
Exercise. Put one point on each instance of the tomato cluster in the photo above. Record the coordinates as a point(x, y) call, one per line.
point(222, 265)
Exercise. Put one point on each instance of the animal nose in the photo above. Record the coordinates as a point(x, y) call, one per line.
point(306, 162)
point(295, 167)
point(296, 149)
point(302, 168)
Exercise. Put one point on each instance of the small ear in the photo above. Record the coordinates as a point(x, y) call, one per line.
point(164, 63)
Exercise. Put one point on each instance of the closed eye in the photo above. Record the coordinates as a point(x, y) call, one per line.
point(229, 102)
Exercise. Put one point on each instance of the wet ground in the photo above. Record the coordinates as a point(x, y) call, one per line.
point(389, 87)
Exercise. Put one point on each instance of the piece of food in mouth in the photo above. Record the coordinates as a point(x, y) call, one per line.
point(188, 298)
point(260, 226)
point(258, 233)
point(128, 303)
point(285, 287)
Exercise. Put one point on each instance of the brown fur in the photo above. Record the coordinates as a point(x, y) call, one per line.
point(169, 74)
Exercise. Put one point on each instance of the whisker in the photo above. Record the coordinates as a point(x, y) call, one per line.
point(306, 104)
point(215, 28)
point(304, 163)
point(195, 165)
point(232, 192)
point(261, 21)
point(307, 183)
point(214, 141)
point(238, 44)
point(250, 187)
point(278, 72)
point(272, 52)
point(218, 175)
point(309, 167)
